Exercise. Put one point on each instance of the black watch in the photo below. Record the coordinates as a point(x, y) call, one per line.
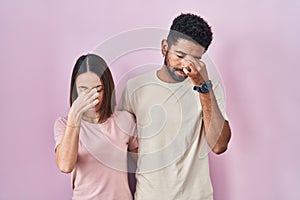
point(204, 87)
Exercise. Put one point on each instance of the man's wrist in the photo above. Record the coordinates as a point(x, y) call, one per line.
point(204, 87)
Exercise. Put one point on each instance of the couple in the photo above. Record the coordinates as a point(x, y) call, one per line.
point(166, 118)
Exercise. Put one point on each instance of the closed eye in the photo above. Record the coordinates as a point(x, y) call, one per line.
point(99, 88)
point(83, 88)
point(180, 56)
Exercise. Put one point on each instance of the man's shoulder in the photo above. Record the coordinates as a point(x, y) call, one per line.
point(141, 79)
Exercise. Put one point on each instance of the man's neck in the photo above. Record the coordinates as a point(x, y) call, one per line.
point(164, 75)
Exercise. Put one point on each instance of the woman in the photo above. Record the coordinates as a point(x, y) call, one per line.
point(92, 141)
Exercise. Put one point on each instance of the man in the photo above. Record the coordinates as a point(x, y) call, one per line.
point(180, 113)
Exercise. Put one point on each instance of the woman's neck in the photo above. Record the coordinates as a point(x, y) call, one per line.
point(91, 116)
point(93, 120)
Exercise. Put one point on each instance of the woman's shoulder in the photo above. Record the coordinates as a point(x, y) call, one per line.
point(125, 121)
point(62, 119)
point(123, 114)
point(60, 122)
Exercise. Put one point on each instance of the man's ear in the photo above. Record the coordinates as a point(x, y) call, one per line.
point(164, 47)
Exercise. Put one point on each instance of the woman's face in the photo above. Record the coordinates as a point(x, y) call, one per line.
point(86, 82)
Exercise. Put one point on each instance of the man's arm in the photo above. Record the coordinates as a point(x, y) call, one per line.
point(217, 129)
point(124, 102)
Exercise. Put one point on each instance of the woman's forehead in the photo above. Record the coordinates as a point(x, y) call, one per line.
point(88, 79)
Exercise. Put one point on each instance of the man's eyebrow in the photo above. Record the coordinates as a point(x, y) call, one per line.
point(197, 57)
point(184, 54)
point(178, 51)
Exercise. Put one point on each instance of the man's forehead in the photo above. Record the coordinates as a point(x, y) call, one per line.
point(188, 47)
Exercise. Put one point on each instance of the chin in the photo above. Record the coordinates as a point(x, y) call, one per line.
point(90, 112)
point(179, 78)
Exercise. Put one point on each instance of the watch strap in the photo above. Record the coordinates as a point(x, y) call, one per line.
point(204, 87)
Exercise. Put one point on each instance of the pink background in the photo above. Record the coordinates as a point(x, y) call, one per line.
point(256, 48)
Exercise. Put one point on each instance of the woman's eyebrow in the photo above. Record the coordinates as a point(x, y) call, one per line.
point(85, 87)
point(81, 86)
point(97, 86)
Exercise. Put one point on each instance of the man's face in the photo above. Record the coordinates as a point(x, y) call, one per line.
point(175, 58)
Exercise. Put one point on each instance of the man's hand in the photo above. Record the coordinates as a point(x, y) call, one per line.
point(195, 69)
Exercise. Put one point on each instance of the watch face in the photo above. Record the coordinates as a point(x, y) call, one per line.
point(205, 87)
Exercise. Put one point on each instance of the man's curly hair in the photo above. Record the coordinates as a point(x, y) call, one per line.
point(191, 27)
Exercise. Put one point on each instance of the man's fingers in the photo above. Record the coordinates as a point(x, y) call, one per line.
point(190, 65)
point(186, 71)
point(201, 64)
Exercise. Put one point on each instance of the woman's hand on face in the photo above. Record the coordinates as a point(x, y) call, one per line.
point(84, 101)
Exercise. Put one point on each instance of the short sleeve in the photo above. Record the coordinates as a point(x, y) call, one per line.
point(127, 124)
point(219, 94)
point(59, 129)
point(125, 101)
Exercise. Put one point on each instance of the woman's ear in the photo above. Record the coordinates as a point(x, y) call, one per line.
point(164, 47)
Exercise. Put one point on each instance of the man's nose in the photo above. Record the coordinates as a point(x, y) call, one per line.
point(184, 63)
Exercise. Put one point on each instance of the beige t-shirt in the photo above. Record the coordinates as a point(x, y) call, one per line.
point(173, 154)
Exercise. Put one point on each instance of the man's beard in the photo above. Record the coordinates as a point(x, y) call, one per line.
point(172, 70)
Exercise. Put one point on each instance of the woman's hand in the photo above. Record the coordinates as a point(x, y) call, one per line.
point(84, 102)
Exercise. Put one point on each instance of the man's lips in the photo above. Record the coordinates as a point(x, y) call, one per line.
point(180, 72)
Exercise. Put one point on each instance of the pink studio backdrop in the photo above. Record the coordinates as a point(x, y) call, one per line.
point(256, 49)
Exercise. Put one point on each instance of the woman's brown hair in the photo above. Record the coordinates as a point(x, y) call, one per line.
point(96, 64)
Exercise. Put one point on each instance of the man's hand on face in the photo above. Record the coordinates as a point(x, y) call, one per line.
point(195, 69)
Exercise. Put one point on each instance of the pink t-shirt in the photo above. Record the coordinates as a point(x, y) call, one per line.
point(101, 168)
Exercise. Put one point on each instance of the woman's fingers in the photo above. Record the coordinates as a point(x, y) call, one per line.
point(91, 97)
point(90, 94)
point(90, 105)
point(86, 99)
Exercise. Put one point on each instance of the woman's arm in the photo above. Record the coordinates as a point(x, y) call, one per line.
point(67, 150)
